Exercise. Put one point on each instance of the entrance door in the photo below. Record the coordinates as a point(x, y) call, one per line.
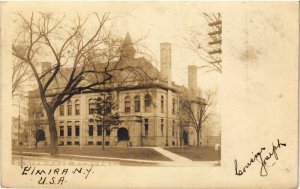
point(40, 135)
point(123, 134)
point(185, 138)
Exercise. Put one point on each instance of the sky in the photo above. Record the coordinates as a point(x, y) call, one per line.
point(167, 25)
point(158, 24)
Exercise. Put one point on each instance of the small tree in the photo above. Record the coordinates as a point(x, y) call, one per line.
point(194, 111)
point(103, 113)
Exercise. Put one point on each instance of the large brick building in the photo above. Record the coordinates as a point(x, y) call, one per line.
point(148, 111)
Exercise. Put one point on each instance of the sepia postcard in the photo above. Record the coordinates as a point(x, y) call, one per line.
point(149, 94)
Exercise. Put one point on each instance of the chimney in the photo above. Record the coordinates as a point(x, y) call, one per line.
point(165, 62)
point(45, 67)
point(192, 78)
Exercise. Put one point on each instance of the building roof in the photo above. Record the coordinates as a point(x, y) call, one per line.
point(128, 50)
point(127, 71)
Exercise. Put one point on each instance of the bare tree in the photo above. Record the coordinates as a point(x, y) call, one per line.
point(74, 56)
point(195, 111)
point(208, 46)
point(19, 76)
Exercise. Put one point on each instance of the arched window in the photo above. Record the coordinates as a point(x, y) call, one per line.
point(173, 106)
point(148, 102)
point(62, 110)
point(69, 106)
point(77, 107)
point(99, 106)
point(92, 106)
point(127, 104)
point(109, 105)
point(42, 109)
point(162, 104)
point(137, 104)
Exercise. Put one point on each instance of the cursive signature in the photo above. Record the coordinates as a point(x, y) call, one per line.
point(261, 159)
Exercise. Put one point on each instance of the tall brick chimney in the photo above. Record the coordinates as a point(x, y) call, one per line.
point(165, 62)
point(45, 67)
point(192, 78)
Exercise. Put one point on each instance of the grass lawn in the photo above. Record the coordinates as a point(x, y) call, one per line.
point(116, 152)
point(202, 153)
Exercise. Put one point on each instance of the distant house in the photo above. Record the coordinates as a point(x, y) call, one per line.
point(19, 132)
point(147, 109)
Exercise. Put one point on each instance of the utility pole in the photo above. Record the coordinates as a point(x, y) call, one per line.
point(103, 119)
point(19, 124)
point(81, 117)
point(214, 22)
point(37, 123)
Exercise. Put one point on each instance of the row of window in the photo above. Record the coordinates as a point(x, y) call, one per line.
point(77, 131)
point(137, 104)
point(69, 108)
point(101, 106)
point(99, 130)
point(147, 104)
point(99, 143)
point(107, 132)
point(146, 127)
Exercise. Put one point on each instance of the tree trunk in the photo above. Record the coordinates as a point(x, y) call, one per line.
point(181, 140)
point(53, 134)
point(198, 137)
point(35, 142)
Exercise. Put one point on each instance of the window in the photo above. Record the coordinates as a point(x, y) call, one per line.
point(69, 130)
point(106, 143)
point(77, 130)
point(107, 132)
point(99, 130)
point(42, 112)
point(91, 130)
point(146, 127)
point(77, 107)
point(173, 106)
point(62, 110)
point(61, 143)
point(77, 143)
point(108, 105)
point(127, 104)
point(137, 104)
point(162, 127)
point(99, 143)
point(61, 131)
point(173, 143)
point(92, 106)
point(61, 128)
point(90, 143)
point(69, 107)
point(162, 104)
point(148, 101)
point(99, 106)
point(173, 131)
point(69, 143)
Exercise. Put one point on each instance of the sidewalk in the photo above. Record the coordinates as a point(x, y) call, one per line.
point(174, 157)
point(33, 158)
